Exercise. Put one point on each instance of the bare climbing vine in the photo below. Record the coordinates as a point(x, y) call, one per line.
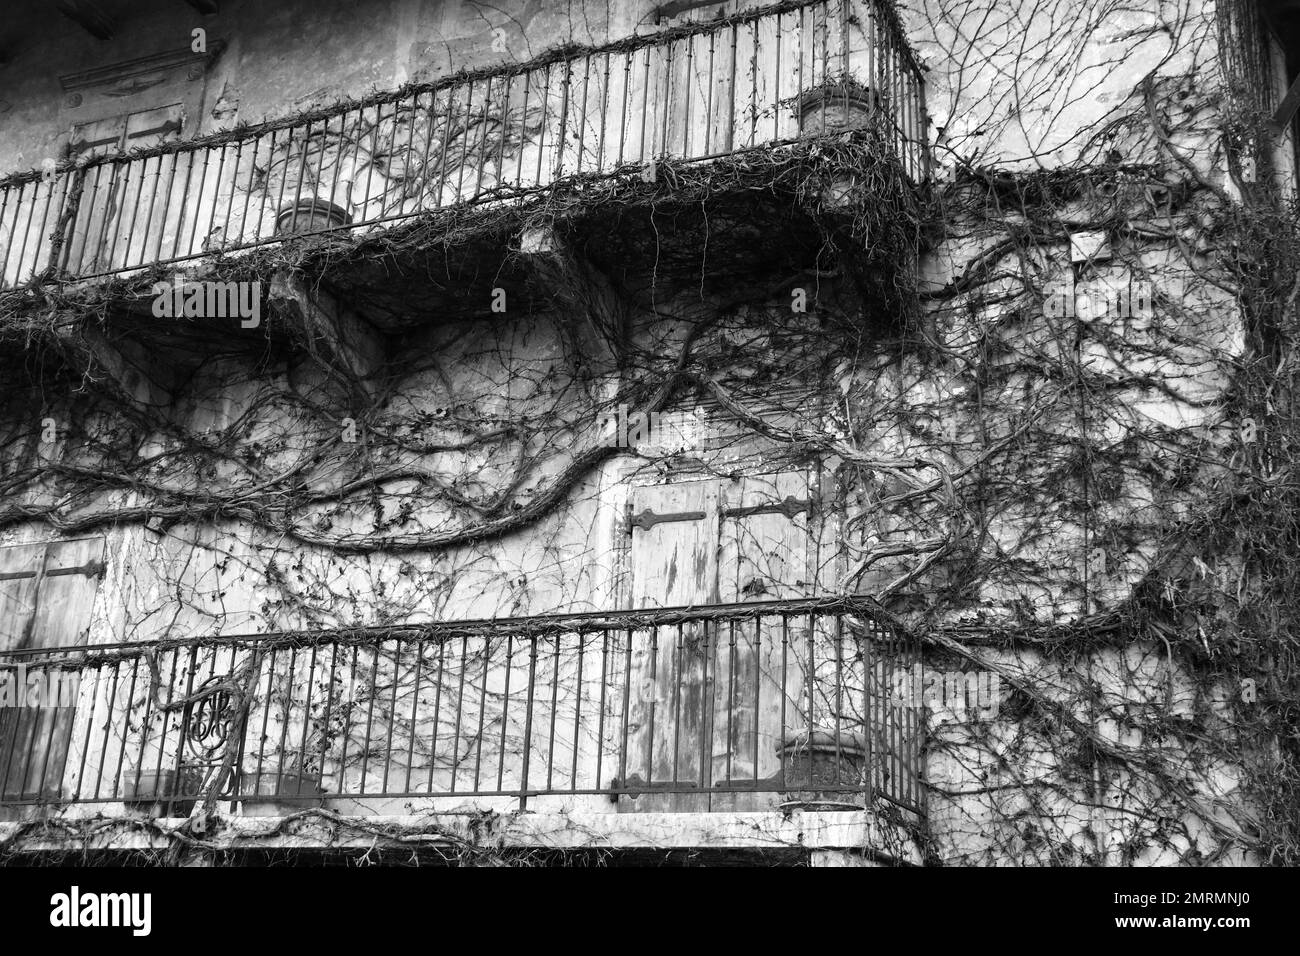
point(1101, 512)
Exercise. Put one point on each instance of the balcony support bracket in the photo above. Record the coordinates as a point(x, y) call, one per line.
point(133, 370)
point(581, 286)
point(345, 346)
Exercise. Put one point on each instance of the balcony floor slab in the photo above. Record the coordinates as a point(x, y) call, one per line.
point(313, 830)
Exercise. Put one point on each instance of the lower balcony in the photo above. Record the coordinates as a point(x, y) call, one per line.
point(739, 709)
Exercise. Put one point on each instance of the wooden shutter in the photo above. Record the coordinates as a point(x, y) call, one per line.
point(47, 593)
point(707, 702)
point(691, 94)
point(120, 196)
point(764, 557)
point(129, 131)
point(674, 563)
point(98, 137)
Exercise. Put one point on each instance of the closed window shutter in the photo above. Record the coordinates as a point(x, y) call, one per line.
point(716, 704)
point(20, 569)
point(98, 137)
point(47, 594)
point(691, 85)
point(122, 190)
point(153, 127)
point(129, 131)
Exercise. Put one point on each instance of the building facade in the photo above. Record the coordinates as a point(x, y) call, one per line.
point(828, 431)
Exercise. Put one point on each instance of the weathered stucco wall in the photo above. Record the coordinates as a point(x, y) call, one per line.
point(992, 467)
point(278, 59)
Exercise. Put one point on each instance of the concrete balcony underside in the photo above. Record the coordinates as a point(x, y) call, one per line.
point(831, 215)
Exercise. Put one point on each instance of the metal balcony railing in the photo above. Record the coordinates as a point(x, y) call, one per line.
point(740, 706)
point(756, 80)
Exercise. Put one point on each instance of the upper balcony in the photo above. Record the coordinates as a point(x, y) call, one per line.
point(756, 81)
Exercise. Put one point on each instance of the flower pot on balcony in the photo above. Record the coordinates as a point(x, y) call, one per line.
point(310, 214)
point(821, 759)
point(836, 106)
point(164, 793)
point(282, 795)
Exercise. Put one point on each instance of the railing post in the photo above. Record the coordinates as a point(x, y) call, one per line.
point(654, 694)
point(918, 731)
point(868, 706)
point(561, 142)
point(528, 721)
point(924, 132)
point(627, 696)
point(844, 37)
